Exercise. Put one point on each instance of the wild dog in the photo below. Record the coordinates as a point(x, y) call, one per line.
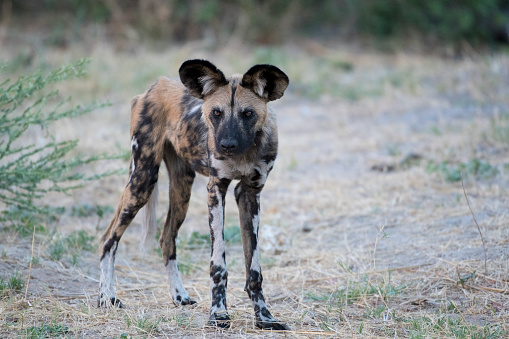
point(221, 128)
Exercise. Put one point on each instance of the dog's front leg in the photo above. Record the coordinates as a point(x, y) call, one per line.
point(248, 200)
point(218, 275)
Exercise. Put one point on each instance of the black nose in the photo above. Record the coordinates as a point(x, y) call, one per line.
point(229, 145)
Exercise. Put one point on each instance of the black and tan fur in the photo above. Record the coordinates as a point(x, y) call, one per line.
point(221, 128)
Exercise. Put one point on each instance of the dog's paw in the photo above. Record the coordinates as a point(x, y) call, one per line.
point(109, 303)
point(186, 300)
point(219, 319)
point(272, 325)
point(265, 321)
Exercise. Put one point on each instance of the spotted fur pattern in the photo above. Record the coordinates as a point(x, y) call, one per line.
point(215, 126)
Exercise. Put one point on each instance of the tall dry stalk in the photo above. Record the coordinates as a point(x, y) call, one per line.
point(475, 220)
point(31, 260)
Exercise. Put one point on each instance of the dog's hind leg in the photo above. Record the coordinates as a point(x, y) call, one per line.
point(181, 181)
point(146, 155)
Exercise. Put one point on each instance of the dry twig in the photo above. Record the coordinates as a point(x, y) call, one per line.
point(475, 220)
point(30, 266)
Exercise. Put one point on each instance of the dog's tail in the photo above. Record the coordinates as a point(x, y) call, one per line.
point(149, 224)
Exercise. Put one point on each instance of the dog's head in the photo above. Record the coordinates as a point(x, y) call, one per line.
point(235, 108)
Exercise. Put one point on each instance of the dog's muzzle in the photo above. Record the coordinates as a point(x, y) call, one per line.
point(228, 146)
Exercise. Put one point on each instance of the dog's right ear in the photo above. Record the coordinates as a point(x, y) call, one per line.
point(201, 77)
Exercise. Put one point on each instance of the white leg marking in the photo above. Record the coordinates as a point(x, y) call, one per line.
point(217, 231)
point(217, 255)
point(258, 303)
point(177, 290)
point(255, 261)
point(217, 259)
point(107, 269)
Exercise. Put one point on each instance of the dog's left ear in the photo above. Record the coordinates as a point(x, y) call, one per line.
point(267, 81)
point(201, 77)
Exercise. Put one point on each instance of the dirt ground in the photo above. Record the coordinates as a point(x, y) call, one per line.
point(365, 235)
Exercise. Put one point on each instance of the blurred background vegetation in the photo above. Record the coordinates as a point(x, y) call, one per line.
point(133, 42)
point(432, 22)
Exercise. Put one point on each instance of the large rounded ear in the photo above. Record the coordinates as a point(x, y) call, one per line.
point(267, 81)
point(201, 77)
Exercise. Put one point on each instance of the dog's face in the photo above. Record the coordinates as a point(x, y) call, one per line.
point(235, 108)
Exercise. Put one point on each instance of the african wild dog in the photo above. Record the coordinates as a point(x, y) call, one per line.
point(219, 127)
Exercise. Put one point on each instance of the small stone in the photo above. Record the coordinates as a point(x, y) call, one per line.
point(307, 228)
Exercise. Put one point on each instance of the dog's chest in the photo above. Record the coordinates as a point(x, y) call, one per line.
point(237, 169)
point(253, 172)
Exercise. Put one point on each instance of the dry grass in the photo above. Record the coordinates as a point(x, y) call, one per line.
point(365, 253)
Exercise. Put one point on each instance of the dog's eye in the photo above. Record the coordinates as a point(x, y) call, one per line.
point(216, 112)
point(248, 114)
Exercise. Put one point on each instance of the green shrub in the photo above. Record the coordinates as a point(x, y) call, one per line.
point(356, 290)
point(88, 210)
point(499, 128)
point(56, 250)
point(13, 283)
point(80, 241)
point(72, 244)
point(29, 172)
point(231, 236)
point(45, 331)
point(480, 169)
point(445, 326)
point(147, 325)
